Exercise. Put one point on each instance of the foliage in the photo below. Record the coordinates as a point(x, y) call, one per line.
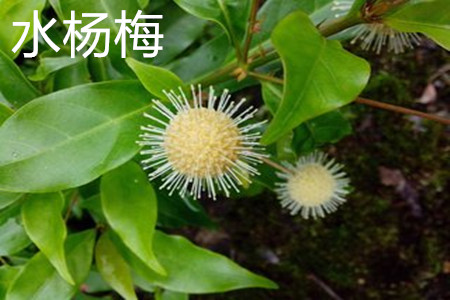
point(69, 126)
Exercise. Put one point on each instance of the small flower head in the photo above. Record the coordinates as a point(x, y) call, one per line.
point(313, 187)
point(374, 36)
point(200, 147)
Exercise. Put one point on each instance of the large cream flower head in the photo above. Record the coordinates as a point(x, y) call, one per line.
point(313, 187)
point(201, 147)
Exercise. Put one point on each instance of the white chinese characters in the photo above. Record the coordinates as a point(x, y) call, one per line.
point(92, 38)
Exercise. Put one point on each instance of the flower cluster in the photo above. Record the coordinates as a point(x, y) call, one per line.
point(208, 144)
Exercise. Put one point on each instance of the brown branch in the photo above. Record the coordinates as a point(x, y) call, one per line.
point(402, 110)
point(324, 286)
point(369, 102)
point(267, 78)
point(276, 166)
point(250, 29)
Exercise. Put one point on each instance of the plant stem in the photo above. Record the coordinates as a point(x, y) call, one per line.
point(267, 78)
point(276, 166)
point(332, 27)
point(324, 286)
point(402, 110)
point(250, 29)
point(225, 73)
point(368, 102)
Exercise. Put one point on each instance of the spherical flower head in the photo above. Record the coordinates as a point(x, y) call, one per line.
point(197, 147)
point(313, 187)
point(377, 35)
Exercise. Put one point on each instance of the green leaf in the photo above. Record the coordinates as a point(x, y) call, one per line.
point(155, 79)
point(77, 74)
point(16, 11)
point(49, 236)
point(232, 15)
point(180, 31)
point(272, 95)
point(113, 268)
point(94, 283)
point(40, 281)
point(5, 113)
point(16, 89)
point(7, 276)
point(207, 58)
point(94, 206)
point(143, 3)
point(7, 199)
point(192, 269)
point(320, 75)
point(328, 128)
point(273, 11)
point(176, 211)
point(114, 10)
point(13, 237)
point(69, 138)
point(130, 207)
point(431, 18)
point(169, 295)
point(50, 65)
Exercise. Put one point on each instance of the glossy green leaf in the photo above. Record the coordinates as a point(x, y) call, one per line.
point(49, 236)
point(143, 3)
point(7, 199)
point(130, 207)
point(94, 206)
point(194, 270)
point(155, 79)
point(232, 15)
point(328, 128)
point(272, 95)
point(16, 11)
point(81, 296)
point(180, 31)
point(77, 74)
point(320, 75)
point(94, 283)
point(5, 113)
point(69, 138)
point(13, 237)
point(40, 281)
point(202, 61)
point(176, 211)
point(50, 65)
point(273, 11)
point(431, 18)
point(16, 89)
point(114, 10)
point(169, 295)
point(7, 276)
point(113, 268)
